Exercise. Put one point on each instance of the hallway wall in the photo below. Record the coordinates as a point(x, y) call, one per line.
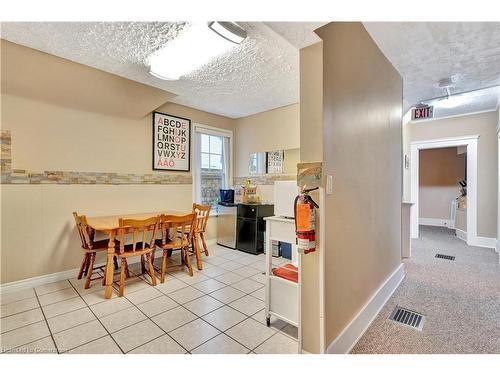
point(362, 150)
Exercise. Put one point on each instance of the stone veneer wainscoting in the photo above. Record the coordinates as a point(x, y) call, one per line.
point(21, 176)
point(259, 180)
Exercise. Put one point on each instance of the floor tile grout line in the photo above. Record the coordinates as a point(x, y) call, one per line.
point(26, 325)
point(88, 342)
point(39, 304)
point(223, 331)
point(46, 322)
point(21, 312)
point(19, 300)
point(67, 312)
point(155, 337)
point(31, 342)
point(88, 306)
point(198, 316)
point(279, 332)
point(76, 325)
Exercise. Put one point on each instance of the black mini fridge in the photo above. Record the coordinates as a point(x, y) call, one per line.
point(251, 227)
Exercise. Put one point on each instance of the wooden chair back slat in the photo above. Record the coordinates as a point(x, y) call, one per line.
point(202, 213)
point(181, 227)
point(138, 227)
point(84, 231)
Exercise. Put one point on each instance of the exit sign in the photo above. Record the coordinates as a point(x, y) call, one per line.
point(421, 113)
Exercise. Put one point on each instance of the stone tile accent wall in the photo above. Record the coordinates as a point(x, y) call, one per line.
point(310, 174)
point(6, 159)
point(211, 183)
point(264, 179)
point(20, 176)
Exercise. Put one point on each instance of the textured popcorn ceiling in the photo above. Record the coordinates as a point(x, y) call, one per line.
point(299, 34)
point(261, 73)
point(426, 52)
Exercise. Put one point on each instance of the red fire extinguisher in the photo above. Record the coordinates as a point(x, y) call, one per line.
point(305, 219)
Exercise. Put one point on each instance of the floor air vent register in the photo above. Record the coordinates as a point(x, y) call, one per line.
point(408, 318)
point(447, 257)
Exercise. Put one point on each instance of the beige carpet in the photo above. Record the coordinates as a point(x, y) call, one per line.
point(460, 300)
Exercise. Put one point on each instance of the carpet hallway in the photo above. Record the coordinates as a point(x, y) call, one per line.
point(460, 300)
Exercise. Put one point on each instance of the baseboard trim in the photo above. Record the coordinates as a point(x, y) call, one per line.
point(33, 282)
point(350, 335)
point(446, 223)
point(484, 242)
point(461, 234)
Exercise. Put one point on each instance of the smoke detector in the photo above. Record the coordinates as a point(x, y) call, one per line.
point(446, 84)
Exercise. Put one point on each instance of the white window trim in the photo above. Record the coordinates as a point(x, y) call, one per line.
point(210, 130)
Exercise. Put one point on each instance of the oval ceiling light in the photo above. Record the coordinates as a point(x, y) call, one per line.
point(229, 31)
point(195, 46)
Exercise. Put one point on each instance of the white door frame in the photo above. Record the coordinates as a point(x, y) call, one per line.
point(498, 192)
point(471, 143)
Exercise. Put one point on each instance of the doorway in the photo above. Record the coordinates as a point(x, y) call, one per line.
point(443, 189)
point(467, 144)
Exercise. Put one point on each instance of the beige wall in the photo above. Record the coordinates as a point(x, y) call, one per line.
point(277, 129)
point(38, 235)
point(362, 149)
point(311, 150)
point(51, 137)
point(40, 76)
point(38, 232)
point(440, 171)
point(484, 125)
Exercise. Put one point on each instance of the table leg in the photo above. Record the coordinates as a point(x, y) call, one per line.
point(110, 267)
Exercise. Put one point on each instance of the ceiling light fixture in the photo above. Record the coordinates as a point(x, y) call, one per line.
point(229, 31)
point(452, 101)
point(194, 47)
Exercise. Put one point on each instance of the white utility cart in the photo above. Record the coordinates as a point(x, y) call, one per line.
point(282, 295)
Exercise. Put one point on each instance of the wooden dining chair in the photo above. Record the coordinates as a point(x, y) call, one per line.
point(139, 246)
point(90, 249)
point(177, 234)
point(202, 213)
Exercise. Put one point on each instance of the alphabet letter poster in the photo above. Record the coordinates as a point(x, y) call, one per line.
point(171, 142)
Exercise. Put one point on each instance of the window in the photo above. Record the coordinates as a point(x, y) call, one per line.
point(211, 152)
point(212, 164)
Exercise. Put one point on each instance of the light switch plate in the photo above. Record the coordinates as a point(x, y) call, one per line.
point(329, 184)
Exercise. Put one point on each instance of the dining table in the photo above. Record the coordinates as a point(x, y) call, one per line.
point(109, 225)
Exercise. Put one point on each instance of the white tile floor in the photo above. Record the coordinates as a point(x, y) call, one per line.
point(219, 310)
